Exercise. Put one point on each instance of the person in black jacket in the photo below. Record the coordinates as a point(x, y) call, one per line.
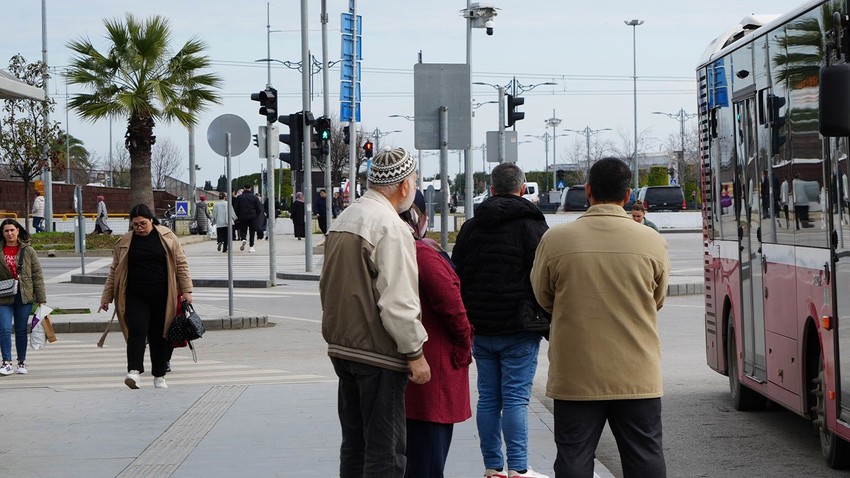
point(493, 254)
point(248, 209)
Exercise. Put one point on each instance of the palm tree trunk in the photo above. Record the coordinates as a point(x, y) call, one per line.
point(139, 140)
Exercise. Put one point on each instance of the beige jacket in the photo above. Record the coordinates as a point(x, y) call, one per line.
point(603, 277)
point(179, 280)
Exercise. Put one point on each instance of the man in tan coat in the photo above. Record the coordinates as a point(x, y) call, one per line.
point(604, 277)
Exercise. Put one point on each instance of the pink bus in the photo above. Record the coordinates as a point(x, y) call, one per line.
point(774, 112)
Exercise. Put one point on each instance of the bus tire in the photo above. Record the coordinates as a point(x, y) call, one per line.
point(743, 398)
point(835, 450)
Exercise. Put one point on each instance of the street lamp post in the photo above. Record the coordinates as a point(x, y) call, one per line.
point(680, 116)
point(634, 24)
point(553, 122)
point(378, 134)
point(587, 133)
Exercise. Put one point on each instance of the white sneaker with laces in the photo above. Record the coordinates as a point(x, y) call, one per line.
point(22, 368)
point(244, 243)
point(132, 380)
point(159, 382)
point(493, 473)
point(528, 474)
point(6, 368)
point(251, 250)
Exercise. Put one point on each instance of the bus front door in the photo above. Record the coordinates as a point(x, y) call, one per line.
point(748, 210)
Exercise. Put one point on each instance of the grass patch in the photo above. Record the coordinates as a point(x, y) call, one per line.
point(436, 235)
point(63, 241)
point(70, 311)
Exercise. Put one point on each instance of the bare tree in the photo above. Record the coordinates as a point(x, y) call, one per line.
point(165, 161)
point(24, 136)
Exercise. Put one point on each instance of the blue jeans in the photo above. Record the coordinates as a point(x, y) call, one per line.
point(36, 224)
point(506, 367)
point(20, 312)
point(370, 404)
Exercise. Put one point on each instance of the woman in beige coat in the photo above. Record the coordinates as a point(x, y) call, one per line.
point(149, 271)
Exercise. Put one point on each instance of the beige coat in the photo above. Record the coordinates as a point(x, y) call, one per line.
point(603, 277)
point(179, 280)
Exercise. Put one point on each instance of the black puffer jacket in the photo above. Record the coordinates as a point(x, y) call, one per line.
point(493, 254)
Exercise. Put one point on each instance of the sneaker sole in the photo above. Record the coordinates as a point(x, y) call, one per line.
point(131, 383)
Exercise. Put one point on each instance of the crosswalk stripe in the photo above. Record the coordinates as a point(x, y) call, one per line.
point(75, 365)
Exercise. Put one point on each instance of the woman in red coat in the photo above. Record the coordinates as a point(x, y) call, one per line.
point(434, 408)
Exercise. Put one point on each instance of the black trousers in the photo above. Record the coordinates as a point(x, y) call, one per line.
point(636, 425)
point(247, 228)
point(427, 448)
point(145, 321)
point(370, 404)
point(221, 237)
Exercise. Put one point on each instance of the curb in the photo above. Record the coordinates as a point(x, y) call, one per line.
point(310, 276)
point(225, 323)
point(100, 279)
point(685, 289)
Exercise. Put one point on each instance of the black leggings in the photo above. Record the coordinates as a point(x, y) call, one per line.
point(145, 321)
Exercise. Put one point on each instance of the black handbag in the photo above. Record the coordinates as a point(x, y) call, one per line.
point(187, 325)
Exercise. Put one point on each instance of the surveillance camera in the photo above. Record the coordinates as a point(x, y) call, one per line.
point(489, 27)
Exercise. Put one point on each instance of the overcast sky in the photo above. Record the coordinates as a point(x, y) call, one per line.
point(584, 47)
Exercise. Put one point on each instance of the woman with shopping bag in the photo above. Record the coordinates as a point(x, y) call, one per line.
point(149, 270)
point(20, 264)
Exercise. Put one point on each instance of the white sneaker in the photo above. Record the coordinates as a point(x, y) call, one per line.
point(132, 379)
point(6, 368)
point(159, 382)
point(22, 368)
point(528, 474)
point(251, 250)
point(493, 473)
point(244, 243)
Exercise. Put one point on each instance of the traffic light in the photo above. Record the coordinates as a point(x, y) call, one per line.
point(295, 121)
point(268, 103)
point(321, 136)
point(346, 134)
point(513, 114)
point(367, 148)
point(777, 122)
point(261, 140)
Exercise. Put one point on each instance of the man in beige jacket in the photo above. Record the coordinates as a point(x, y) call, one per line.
point(604, 277)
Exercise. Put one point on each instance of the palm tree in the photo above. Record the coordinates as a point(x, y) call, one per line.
point(137, 77)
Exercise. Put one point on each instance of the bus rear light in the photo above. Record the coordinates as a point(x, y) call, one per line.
point(826, 322)
point(830, 395)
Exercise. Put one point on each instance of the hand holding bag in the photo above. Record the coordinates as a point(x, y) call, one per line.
point(187, 325)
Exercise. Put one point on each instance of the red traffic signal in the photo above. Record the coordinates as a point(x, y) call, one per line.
point(367, 148)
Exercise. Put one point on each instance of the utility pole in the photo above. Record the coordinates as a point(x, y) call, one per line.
point(307, 141)
point(47, 174)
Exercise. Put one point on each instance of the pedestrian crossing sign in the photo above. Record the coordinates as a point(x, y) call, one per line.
point(181, 209)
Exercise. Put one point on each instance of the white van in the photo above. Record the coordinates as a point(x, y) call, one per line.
point(532, 192)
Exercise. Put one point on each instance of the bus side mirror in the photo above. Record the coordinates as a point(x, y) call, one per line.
point(834, 101)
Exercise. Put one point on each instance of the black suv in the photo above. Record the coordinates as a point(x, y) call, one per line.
point(662, 198)
point(574, 199)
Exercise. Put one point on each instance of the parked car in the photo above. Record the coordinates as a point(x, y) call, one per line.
point(574, 199)
point(662, 198)
point(532, 192)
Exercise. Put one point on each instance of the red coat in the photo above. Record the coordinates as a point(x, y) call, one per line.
point(445, 398)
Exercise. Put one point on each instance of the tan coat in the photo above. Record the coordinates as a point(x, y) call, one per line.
point(179, 280)
point(603, 277)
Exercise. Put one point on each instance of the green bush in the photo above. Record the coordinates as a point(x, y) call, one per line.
point(65, 241)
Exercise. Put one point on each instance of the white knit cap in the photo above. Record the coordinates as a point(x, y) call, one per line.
point(391, 166)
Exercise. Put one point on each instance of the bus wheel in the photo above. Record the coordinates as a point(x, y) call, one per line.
point(835, 451)
point(743, 398)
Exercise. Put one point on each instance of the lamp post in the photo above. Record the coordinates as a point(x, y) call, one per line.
point(587, 133)
point(681, 116)
point(418, 152)
point(378, 134)
point(545, 138)
point(634, 24)
point(553, 122)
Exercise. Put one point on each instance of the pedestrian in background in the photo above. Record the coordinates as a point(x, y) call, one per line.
point(296, 213)
point(100, 226)
point(493, 254)
point(21, 263)
point(320, 209)
point(604, 278)
point(336, 205)
point(434, 407)
point(38, 213)
point(371, 319)
point(149, 272)
point(639, 215)
point(202, 216)
point(248, 208)
point(262, 221)
point(220, 220)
